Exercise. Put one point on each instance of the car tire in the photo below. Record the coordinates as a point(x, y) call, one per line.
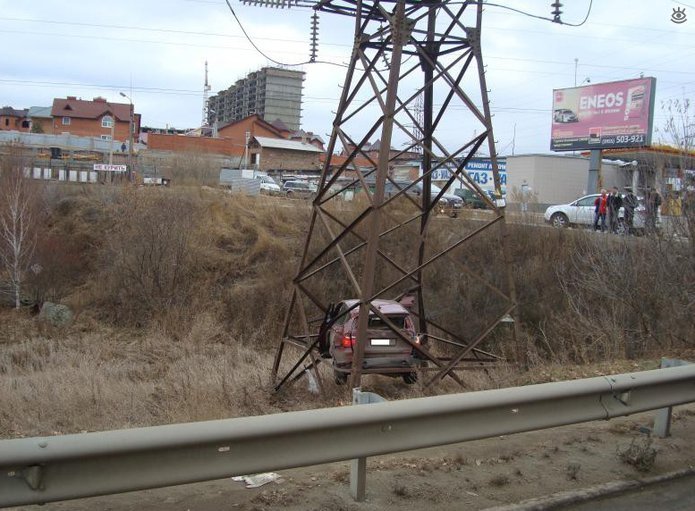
point(410, 378)
point(339, 377)
point(559, 220)
point(289, 194)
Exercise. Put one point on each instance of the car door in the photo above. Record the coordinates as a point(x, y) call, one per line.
point(584, 210)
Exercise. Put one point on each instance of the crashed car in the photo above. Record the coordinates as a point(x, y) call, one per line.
point(385, 349)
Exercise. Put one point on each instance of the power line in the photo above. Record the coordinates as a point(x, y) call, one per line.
point(267, 57)
point(543, 18)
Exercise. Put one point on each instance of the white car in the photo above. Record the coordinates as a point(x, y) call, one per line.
point(581, 212)
point(269, 186)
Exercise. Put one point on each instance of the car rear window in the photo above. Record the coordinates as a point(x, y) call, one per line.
point(376, 322)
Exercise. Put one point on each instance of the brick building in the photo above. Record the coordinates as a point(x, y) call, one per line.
point(94, 118)
point(254, 125)
point(12, 119)
point(308, 137)
point(274, 154)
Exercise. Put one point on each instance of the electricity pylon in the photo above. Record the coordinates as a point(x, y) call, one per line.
point(380, 244)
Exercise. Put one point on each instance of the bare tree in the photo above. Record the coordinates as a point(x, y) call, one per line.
point(679, 132)
point(679, 128)
point(17, 237)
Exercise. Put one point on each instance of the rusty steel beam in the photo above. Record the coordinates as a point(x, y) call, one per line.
point(447, 50)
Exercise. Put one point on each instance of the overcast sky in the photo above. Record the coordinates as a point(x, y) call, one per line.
point(155, 51)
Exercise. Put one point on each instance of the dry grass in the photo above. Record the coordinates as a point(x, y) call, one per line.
point(180, 308)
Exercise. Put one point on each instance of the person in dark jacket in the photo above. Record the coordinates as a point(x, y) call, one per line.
point(615, 202)
point(630, 204)
point(653, 202)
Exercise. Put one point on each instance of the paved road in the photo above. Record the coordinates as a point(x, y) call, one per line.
point(676, 495)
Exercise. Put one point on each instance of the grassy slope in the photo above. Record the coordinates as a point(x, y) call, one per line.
point(179, 298)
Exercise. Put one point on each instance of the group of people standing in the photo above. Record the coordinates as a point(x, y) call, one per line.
point(607, 210)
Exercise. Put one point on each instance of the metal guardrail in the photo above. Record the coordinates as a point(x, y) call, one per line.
point(662, 418)
point(39, 470)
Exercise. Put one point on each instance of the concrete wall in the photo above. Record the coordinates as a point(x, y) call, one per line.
point(556, 179)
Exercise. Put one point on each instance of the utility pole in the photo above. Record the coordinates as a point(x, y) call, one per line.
point(131, 125)
point(113, 126)
point(246, 149)
point(576, 62)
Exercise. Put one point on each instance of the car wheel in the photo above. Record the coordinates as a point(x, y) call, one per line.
point(410, 378)
point(340, 377)
point(559, 220)
point(289, 194)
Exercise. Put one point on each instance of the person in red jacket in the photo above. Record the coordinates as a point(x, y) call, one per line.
point(600, 210)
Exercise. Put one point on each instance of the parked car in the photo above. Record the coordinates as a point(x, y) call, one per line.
point(299, 189)
point(581, 212)
point(473, 200)
point(448, 203)
point(269, 186)
point(384, 349)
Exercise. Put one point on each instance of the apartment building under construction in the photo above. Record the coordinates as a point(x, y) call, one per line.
point(272, 93)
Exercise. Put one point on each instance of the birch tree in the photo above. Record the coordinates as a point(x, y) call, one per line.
point(17, 239)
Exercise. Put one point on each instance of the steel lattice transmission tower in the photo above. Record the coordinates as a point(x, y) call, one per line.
point(387, 242)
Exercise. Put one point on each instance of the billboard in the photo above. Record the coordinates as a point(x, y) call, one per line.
point(603, 115)
point(480, 171)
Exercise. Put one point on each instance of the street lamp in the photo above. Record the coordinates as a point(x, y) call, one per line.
point(130, 137)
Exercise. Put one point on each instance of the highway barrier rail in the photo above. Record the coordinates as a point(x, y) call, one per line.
point(39, 470)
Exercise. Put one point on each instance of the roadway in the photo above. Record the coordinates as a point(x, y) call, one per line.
point(675, 495)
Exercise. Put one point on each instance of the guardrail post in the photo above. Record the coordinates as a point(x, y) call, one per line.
point(358, 466)
point(662, 419)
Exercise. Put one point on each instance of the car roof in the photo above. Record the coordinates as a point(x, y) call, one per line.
point(384, 306)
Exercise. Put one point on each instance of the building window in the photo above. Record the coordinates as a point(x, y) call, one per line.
point(66, 121)
point(106, 137)
point(7, 122)
point(106, 121)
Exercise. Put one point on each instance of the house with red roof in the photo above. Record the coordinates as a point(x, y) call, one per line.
point(97, 118)
point(12, 119)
